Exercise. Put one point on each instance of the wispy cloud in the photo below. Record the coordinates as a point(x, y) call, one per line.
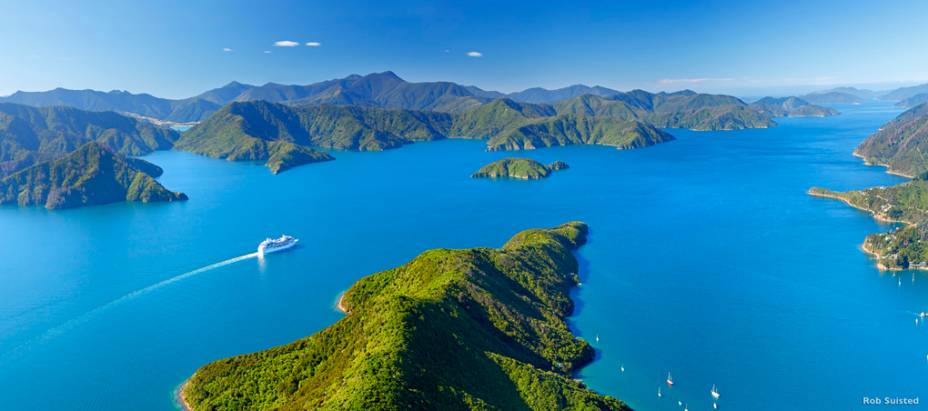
point(474, 54)
point(227, 50)
point(698, 80)
point(313, 43)
point(267, 52)
point(286, 43)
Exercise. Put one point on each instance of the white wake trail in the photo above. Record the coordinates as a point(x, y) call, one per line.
point(60, 329)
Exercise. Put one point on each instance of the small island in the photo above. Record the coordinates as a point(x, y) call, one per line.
point(476, 329)
point(519, 168)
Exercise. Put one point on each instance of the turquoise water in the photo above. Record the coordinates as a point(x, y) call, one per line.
point(706, 259)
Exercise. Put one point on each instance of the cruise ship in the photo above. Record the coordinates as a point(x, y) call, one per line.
point(272, 245)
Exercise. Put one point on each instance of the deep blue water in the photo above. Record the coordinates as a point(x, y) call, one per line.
point(706, 259)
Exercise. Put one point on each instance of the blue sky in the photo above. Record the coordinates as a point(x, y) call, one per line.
point(176, 48)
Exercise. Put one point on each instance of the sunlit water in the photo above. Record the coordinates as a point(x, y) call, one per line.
point(706, 259)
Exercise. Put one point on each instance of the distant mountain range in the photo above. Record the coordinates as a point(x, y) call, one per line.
point(852, 95)
point(913, 101)
point(791, 107)
point(384, 90)
point(833, 97)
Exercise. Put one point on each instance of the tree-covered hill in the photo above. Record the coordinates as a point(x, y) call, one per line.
point(901, 145)
point(30, 135)
point(245, 131)
point(518, 168)
point(452, 330)
point(90, 175)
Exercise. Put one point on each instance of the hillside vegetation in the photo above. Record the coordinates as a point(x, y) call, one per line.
point(90, 175)
point(470, 329)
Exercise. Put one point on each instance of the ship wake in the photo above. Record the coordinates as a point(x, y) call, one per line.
point(74, 322)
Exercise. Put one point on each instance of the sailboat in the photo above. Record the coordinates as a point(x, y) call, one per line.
point(669, 380)
point(659, 394)
point(714, 392)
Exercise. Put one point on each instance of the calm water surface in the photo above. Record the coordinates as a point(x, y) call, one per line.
point(706, 259)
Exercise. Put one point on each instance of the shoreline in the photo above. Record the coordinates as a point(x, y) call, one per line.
point(889, 170)
point(182, 398)
point(879, 217)
point(339, 304)
point(876, 216)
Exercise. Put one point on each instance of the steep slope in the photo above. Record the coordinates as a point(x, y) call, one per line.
point(90, 175)
point(901, 144)
point(791, 107)
point(913, 101)
point(492, 118)
point(29, 135)
point(570, 129)
point(452, 329)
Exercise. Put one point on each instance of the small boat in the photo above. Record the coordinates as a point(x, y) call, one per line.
point(714, 392)
point(659, 394)
point(715, 406)
point(597, 337)
point(669, 380)
point(686, 408)
point(621, 368)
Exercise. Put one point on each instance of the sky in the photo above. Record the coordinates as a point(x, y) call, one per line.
point(177, 49)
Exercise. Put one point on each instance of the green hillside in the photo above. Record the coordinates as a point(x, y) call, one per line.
point(682, 109)
point(90, 175)
point(30, 135)
point(452, 329)
point(901, 145)
point(906, 203)
point(245, 131)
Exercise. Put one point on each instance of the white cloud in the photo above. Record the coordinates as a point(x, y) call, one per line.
point(286, 43)
point(267, 52)
point(227, 50)
point(474, 54)
point(313, 43)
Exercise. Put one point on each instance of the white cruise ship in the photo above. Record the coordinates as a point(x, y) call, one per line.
point(272, 245)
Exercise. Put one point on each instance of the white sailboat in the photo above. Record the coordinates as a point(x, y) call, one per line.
point(714, 392)
point(669, 380)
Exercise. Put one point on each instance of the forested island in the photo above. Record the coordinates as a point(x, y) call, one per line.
point(519, 168)
point(452, 329)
